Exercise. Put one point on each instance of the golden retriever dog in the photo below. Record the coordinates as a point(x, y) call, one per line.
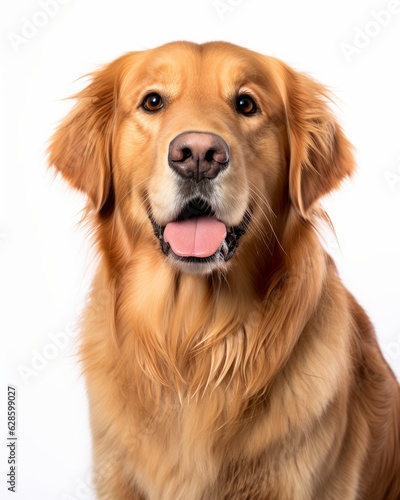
point(224, 358)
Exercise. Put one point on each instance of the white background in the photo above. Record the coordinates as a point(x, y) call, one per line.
point(45, 264)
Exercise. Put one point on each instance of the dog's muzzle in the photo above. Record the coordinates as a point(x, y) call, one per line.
point(198, 236)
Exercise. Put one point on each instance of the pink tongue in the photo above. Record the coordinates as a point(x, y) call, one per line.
point(196, 237)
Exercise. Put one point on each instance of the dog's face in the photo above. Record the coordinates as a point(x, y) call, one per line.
point(201, 142)
point(204, 148)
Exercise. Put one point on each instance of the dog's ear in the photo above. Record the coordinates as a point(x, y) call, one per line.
point(320, 156)
point(81, 146)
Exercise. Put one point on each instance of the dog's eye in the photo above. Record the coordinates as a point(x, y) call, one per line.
point(245, 105)
point(152, 102)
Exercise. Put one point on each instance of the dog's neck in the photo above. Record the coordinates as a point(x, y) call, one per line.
point(196, 333)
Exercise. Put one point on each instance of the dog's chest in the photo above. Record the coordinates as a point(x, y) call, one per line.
point(177, 457)
point(189, 455)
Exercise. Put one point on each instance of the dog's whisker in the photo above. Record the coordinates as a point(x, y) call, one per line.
point(259, 202)
point(256, 190)
point(257, 227)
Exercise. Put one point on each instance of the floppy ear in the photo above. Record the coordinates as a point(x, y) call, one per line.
point(320, 155)
point(81, 147)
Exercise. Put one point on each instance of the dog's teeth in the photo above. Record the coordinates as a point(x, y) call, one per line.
point(224, 249)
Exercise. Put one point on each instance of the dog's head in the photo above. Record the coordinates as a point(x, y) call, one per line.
point(205, 148)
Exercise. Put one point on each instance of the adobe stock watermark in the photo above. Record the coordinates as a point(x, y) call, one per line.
point(362, 37)
point(392, 349)
point(30, 27)
point(393, 178)
point(225, 7)
point(85, 489)
point(41, 358)
point(61, 341)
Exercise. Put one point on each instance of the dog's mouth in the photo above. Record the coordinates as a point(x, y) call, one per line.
point(196, 235)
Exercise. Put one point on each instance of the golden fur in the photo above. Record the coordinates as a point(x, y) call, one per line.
point(257, 378)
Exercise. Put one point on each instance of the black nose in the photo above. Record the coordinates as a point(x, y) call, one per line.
point(198, 155)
